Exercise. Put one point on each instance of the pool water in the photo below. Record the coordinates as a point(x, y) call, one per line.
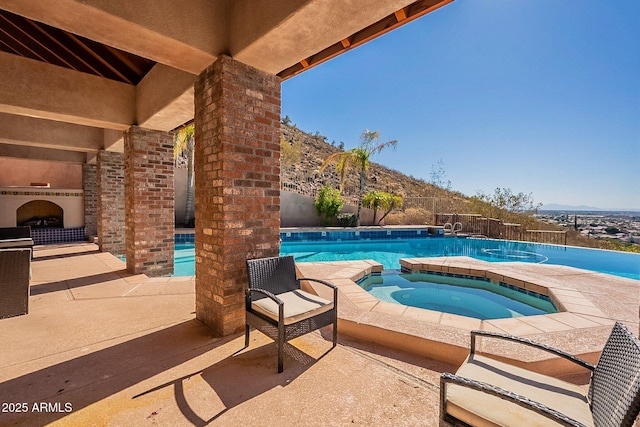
point(388, 252)
point(476, 298)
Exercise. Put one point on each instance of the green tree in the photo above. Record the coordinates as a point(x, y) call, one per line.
point(183, 143)
point(328, 204)
point(358, 158)
point(380, 200)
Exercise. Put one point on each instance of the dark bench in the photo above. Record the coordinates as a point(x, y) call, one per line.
point(16, 237)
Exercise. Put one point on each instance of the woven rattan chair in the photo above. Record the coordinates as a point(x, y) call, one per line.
point(279, 308)
point(488, 392)
point(14, 281)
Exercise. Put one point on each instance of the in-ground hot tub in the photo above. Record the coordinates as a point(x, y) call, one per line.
point(463, 295)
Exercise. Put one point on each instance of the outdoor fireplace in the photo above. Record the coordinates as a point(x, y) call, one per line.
point(54, 215)
point(40, 214)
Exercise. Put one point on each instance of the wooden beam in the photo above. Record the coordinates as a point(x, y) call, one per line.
point(401, 15)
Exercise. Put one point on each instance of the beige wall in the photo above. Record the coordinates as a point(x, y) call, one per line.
point(180, 191)
point(23, 172)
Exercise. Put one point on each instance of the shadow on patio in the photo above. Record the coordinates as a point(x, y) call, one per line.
point(130, 352)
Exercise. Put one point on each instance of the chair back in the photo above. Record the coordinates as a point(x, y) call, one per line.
point(276, 275)
point(14, 281)
point(615, 384)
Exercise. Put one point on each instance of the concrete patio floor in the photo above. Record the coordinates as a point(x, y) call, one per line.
point(101, 347)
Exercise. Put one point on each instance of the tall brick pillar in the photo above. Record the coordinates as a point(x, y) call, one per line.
point(90, 188)
point(149, 201)
point(237, 185)
point(110, 182)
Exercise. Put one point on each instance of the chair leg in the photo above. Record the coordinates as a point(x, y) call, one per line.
point(335, 332)
point(280, 351)
point(246, 335)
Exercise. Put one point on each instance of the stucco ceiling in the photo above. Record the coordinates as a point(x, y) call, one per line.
point(76, 73)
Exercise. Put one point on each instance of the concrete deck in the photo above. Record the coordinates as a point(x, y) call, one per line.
point(103, 347)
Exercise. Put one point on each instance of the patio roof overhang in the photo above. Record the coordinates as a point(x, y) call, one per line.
point(74, 74)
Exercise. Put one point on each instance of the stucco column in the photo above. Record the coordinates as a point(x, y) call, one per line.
point(149, 201)
point(237, 185)
point(110, 183)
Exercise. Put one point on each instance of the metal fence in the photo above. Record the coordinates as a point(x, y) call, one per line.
point(493, 228)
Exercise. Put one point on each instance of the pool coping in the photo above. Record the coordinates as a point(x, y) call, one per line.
point(580, 327)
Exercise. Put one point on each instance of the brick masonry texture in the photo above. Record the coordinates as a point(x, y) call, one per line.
point(237, 183)
point(90, 187)
point(110, 183)
point(149, 201)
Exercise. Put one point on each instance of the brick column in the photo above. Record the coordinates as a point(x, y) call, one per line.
point(149, 201)
point(110, 181)
point(90, 188)
point(237, 185)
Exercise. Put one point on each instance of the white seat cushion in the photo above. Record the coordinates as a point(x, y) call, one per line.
point(298, 305)
point(481, 409)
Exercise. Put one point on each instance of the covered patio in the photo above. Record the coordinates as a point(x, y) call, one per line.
point(105, 84)
point(102, 346)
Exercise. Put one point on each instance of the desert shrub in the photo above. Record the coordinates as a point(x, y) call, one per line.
point(347, 220)
point(328, 203)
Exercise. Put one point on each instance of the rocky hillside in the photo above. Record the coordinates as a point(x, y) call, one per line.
point(300, 171)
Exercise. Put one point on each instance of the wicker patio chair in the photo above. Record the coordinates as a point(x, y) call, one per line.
point(16, 237)
point(279, 308)
point(14, 281)
point(485, 391)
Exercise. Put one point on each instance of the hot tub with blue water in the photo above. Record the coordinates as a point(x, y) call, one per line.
point(464, 296)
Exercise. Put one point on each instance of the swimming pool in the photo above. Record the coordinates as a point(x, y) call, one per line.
point(478, 298)
point(389, 251)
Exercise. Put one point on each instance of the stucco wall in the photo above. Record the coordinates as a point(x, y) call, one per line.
point(24, 172)
point(180, 187)
point(297, 210)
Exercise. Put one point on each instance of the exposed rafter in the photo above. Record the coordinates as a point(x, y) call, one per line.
point(35, 40)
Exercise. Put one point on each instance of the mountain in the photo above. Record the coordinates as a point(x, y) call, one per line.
point(558, 207)
point(583, 208)
point(300, 172)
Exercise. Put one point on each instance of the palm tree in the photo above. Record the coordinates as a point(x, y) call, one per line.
point(183, 141)
point(358, 158)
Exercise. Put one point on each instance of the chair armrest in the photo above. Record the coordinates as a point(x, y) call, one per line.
point(324, 282)
point(525, 402)
point(265, 293)
point(331, 285)
point(530, 343)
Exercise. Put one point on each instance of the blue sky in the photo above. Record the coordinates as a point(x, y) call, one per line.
point(539, 96)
